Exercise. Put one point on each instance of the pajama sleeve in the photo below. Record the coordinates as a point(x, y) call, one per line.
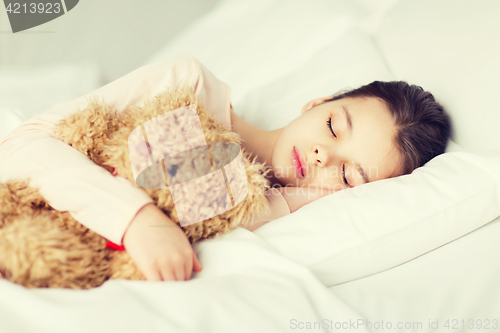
point(71, 182)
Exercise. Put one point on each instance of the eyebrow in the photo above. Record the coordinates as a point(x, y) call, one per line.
point(363, 173)
point(348, 118)
point(349, 125)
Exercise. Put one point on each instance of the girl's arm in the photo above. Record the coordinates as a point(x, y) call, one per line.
point(69, 181)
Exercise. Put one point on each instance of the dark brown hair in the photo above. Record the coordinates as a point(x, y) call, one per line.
point(423, 127)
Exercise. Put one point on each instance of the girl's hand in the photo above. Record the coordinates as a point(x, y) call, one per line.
point(159, 247)
point(297, 197)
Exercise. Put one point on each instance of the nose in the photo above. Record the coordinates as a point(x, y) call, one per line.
point(322, 156)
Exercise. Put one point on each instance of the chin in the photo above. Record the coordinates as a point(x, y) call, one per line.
point(288, 176)
point(289, 181)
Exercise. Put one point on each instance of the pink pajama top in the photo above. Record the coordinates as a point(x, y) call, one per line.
point(71, 182)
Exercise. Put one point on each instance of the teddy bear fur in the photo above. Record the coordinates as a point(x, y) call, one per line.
point(41, 247)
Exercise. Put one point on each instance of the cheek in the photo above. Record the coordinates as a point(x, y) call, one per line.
point(276, 162)
point(328, 179)
point(282, 144)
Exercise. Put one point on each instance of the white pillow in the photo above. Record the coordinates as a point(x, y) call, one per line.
point(38, 89)
point(248, 44)
point(452, 48)
point(365, 230)
point(349, 62)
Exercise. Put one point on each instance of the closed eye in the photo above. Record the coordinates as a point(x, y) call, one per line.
point(329, 124)
point(344, 177)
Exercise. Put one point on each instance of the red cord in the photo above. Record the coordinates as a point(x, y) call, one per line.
point(113, 246)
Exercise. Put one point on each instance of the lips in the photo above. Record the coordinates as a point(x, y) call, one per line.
point(299, 162)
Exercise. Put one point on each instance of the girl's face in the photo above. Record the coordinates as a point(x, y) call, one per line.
point(339, 144)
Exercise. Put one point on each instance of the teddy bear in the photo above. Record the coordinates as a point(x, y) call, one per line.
point(41, 247)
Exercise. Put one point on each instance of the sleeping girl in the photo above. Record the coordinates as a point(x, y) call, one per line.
point(378, 131)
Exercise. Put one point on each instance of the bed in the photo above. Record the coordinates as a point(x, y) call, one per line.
point(413, 254)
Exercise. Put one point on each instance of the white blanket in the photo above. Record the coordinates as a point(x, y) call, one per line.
point(245, 286)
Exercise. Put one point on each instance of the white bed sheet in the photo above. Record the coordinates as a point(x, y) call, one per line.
point(245, 286)
point(458, 281)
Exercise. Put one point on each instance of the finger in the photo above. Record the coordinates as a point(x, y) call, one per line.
point(179, 272)
point(196, 264)
point(188, 269)
point(151, 274)
point(167, 274)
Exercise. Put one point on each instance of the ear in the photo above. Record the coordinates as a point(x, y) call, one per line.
point(314, 103)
